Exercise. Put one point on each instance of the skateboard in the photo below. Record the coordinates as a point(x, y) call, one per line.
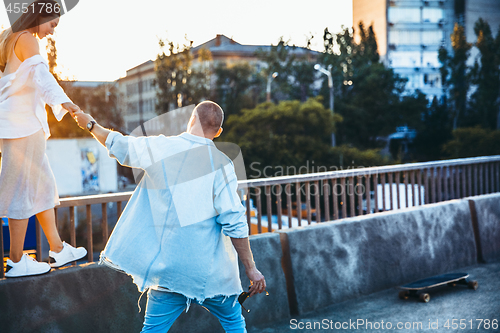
point(412, 289)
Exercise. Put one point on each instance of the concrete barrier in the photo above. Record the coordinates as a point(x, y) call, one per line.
point(92, 298)
point(87, 298)
point(335, 261)
point(486, 220)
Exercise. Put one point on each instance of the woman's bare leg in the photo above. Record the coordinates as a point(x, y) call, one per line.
point(47, 220)
point(17, 230)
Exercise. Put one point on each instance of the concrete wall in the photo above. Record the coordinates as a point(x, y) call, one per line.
point(487, 221)
point(306, 268)
point(335, 261)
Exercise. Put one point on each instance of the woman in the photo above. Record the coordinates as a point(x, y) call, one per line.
point(27, 184)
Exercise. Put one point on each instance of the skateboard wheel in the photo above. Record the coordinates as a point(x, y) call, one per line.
point(404, 294)
point(473, 285)
point(424, 298)
point(452, 284)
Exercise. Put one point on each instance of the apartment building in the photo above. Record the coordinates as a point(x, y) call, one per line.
point(410, 33)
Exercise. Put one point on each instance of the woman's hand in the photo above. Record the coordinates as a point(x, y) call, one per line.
point(82, 119)
point(72, 108)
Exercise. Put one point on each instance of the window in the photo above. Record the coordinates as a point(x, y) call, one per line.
point(404, 37)
point(430, 59)
point(404, 14)
point(432, 37)
point(405, 59)
point(432, 15)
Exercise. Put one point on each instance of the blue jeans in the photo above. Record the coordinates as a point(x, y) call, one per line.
point(163, 308)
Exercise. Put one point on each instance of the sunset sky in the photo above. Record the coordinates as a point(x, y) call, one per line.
point(100, 39)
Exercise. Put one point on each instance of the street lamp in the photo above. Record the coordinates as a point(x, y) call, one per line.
point(270, 78)
point(330, 85)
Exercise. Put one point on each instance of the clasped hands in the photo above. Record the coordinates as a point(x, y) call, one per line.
point(81, 118)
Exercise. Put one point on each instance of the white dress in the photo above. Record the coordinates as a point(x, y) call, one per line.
point(27, 184)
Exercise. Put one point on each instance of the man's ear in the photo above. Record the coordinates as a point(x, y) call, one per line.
point(218, 133)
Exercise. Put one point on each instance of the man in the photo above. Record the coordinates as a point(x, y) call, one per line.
point(174, 236)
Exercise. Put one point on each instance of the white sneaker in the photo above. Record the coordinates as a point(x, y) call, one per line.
point(67, 255)
point(25, 267)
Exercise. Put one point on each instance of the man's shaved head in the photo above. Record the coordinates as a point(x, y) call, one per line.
point(210, 115)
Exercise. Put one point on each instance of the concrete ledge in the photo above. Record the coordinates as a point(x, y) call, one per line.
point(335, 261)
point(487, 217)
point(92, 298)
point(88, 298)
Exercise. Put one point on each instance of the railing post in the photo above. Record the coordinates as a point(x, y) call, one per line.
point(486, 178)
point(368, 194)
point(419, 182)
point(335, 198)
point(104, 225)
point(269, 209)
point(298, 201)
point(278, 203)
point(351, 196)
point(397, 178)
point(248, 211)
point(38, 241)
point(326, 198)
point(439, 184)
point(359, 195)
point(344, 198)
point(2, 254)
point(317, 202)
point(308, 202)
point(481, 178)
point(452, 182)
point(407, 199)
point(288, 191)
point(259, 209)
point(90, 249)
point(382, 181)
point(375, 192)
point(391, 196)
point(475, 180)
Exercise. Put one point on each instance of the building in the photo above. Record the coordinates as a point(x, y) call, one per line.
point(410, 33)
point(138, 86)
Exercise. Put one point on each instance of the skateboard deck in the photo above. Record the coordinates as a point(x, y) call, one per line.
point(452, 279)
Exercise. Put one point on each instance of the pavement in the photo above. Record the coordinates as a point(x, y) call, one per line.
point(451, 309)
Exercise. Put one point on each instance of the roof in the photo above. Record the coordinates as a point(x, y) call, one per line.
point(222, 45)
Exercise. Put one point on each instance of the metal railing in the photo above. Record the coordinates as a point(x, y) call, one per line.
point(336, 195)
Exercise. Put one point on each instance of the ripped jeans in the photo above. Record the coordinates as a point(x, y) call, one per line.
point(163, 308)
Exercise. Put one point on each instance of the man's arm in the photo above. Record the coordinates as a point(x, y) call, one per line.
point(242, 246)
point(99, 132)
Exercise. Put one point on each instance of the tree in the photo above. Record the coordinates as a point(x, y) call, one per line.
point(367, 94)
point(455, 76)
point(485, 75)
point(179, 84)
point(67, 127)
point(237, 87)
point(281, 135)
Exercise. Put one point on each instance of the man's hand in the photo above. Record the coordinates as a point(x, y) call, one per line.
point(82, 119)
point(257, 280)
point(72, 108)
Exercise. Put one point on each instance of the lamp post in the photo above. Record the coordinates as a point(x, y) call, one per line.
point(270, 78)
point(328, 73)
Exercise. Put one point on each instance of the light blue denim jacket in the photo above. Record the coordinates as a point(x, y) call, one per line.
point(175, 230)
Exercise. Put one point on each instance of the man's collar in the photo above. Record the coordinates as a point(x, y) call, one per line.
point(197, 138)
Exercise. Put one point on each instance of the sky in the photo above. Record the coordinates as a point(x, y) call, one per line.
point(98, 40)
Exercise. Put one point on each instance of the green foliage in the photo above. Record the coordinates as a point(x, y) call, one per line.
point(455, 75)
point(179, 84)
point(367, 94)
point(472, 142)
point(237, 87)
point(485, 74)
point(295, 73)
point(287, 134)
point(433, 133)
